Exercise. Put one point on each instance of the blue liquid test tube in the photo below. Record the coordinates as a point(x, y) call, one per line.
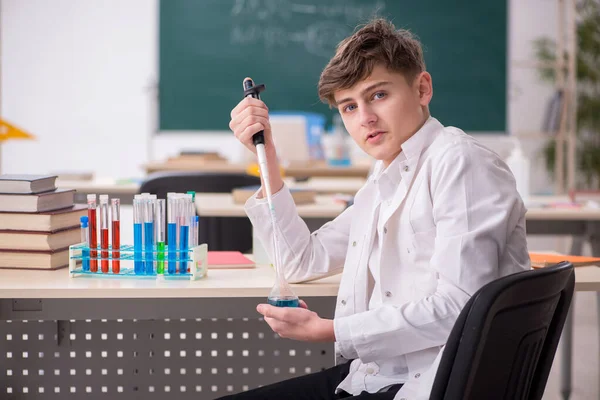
point(184, 232)
point(171, 234)
point(138, 264)
point(149, 234)
point(85, 239)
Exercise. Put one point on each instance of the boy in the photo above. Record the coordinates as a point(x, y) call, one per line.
point(438, 218)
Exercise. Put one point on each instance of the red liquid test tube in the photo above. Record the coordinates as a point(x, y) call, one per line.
point(116, 235)
point(91, 201)
point(104, 233)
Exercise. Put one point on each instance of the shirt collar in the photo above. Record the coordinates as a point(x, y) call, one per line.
point(387, 180)
point(413, 147)
point(422, 138)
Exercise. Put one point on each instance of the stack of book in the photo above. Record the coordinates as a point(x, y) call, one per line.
point(38, 222)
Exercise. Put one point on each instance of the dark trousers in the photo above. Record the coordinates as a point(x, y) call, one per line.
point(315, 386)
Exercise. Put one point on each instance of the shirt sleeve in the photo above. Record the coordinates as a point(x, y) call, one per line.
point(304, 256)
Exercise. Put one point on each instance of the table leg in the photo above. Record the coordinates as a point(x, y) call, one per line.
point(566, 367)
point(567, 355)
point(595, 243)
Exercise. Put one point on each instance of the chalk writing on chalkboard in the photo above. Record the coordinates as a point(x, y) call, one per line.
point(266, 22)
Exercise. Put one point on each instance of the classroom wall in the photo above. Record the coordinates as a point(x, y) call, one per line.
point(80, 75)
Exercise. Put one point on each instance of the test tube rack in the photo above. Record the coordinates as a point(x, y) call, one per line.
point(195, 258)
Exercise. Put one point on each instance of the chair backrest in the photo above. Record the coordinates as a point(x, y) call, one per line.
point(220, 233)
point(202, 182)
point(504, 340)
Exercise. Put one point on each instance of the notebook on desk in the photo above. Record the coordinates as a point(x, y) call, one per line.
point(228, 260)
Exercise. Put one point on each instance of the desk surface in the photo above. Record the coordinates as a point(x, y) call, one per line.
point(222, 205)
point(346, 185)
point(100, 186)
point(298, 170)
point(255, 282)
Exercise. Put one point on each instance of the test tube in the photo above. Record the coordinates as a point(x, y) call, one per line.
point(104, 233)
point(149, 234)
point(192, 214)
point(192, 218)
point(85, 238)
point(159, 220)
point(196, 230)
point(172, 230)
point(184, 231)
point(116, 235)
point(91, 201)
point(138, 218)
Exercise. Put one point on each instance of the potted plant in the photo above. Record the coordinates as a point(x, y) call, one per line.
point(588, 93)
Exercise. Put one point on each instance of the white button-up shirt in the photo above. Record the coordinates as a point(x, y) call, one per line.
point(455, 223)
point(367, 377)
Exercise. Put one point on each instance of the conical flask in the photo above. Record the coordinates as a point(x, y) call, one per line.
point(281, 294)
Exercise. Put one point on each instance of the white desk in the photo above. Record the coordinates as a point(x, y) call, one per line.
point(125, 190)
point(101, 185)
point(329, 185)
point(82, 324)
point(136, 338)
point(252, 282)
point(222, 205)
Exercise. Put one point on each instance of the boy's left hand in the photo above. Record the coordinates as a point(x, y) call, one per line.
point(297, 323)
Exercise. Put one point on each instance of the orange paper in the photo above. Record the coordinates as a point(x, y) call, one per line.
point(541, 260)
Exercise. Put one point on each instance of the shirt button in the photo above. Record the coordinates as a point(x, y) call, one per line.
point(388, 293)
point(354, 244)
point(408, 250)
point(343, 302)
point(384, 229)
point(406, 168)
point(417, 375)
point(370, 371)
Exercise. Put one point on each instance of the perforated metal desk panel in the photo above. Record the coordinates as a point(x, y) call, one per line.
point(82, 338)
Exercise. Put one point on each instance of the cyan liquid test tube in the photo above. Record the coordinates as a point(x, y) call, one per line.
point(184, 231)
point(172, 233)
point(149, 234)
point(138, 220)
point(85, 239)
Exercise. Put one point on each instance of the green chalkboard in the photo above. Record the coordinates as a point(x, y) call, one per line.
point(207, 47)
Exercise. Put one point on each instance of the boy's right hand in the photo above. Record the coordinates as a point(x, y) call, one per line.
point(251, 116)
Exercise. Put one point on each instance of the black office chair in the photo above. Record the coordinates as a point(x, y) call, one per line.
point(220, 233)
point(504, 340)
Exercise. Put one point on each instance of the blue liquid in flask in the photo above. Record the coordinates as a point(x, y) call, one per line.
point(283, 302)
